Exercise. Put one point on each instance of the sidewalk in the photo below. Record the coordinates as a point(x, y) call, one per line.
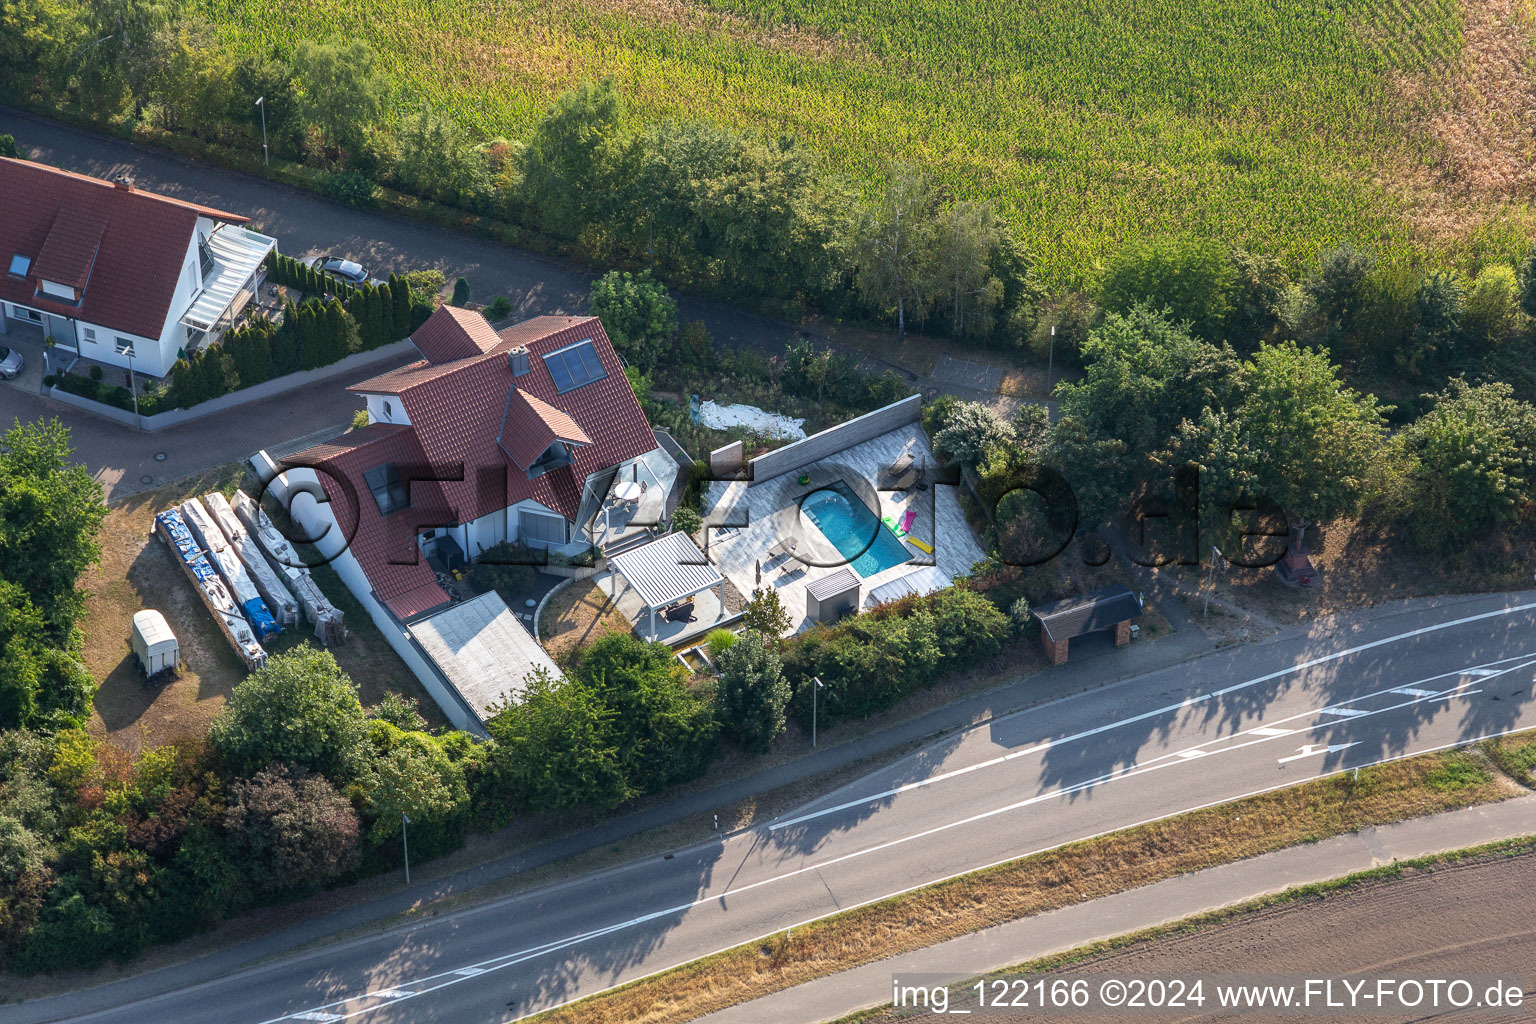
point(1160, 903)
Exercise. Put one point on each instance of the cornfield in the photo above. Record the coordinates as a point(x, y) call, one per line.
point(1283, 125)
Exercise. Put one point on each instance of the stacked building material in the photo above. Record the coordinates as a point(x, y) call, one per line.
point(172, 528)
point(273, 590)
point(327, 618)
point(223, 558)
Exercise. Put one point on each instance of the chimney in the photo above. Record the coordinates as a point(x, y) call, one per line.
point(517, 359)
point(123, 182)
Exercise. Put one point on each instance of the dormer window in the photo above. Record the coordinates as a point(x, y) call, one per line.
point(389, 492)
point(20, 265)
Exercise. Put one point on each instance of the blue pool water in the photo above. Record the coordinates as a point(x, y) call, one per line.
point(849, 524)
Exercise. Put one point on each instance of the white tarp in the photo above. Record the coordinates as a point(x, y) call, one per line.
point(220, 555)
point(327, 618)
point(770, 424)
point(279, 600)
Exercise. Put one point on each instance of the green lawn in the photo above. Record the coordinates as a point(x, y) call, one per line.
point(1287, 125)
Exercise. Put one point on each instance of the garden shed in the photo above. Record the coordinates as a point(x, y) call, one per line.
point(833, 596)
point(153, 643)
point(1112, 607)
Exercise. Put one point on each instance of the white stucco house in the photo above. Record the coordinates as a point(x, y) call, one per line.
point(117, 274)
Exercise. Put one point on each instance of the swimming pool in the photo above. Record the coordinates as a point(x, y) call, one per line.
point(849, 524)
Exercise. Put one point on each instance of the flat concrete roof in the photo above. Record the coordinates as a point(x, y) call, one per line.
point(483, 649)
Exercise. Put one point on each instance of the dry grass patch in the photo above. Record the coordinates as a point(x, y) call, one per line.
point(1046, 881)
point(137, 571)
point(576, 616)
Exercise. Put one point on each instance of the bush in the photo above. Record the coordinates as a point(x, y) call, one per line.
point(49, 380)
point(719, 641)
point(499, 309)
point(289, 831)
point(686, 520)
point(753, 694)
point(638, 315)
point(95, 372)
point(351, 187)
point(300, 708)
point(400, 711)
point(1020, 612)
point(506, 568)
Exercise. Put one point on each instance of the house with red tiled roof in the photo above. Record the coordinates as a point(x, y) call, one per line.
point(520, 435)
point(117, 274)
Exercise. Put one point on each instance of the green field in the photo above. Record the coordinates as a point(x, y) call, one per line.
point(1286, 125)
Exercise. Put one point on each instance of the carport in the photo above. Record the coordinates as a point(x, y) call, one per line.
point(1112, 607)
point(665, 573)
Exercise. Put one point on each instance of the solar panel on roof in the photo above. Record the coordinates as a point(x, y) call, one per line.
point(572, 367)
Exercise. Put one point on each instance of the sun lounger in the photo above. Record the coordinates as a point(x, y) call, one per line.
point(905, 481)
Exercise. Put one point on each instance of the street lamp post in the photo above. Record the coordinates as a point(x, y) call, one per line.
point(815, 690)
point(261, 101)
point(1050, 362)
point(127, 350)
point(404, 842)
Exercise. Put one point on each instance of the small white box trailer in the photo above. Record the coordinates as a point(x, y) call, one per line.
point(154, 645)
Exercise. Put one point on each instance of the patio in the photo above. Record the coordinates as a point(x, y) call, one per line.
point(636, 501)
point(767, 513)
point(668, 589)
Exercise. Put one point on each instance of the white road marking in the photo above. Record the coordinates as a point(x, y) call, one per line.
point(1342, 712)
point(1167, 709)
point(1271, 731)
point(1193, 753)
point(1481, 672)
point(1309, 750)
point(469, 972)
point(1410, 691)
point(315, 1015)
point(392, 993)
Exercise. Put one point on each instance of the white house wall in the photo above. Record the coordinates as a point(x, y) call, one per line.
point(386, 409)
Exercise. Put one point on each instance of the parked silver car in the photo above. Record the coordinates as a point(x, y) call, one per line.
point(10, 362)
point(352, 273)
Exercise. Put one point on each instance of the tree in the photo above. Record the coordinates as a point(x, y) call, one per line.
point(1299, 437)
point(50, 512)
point(664, 730)
point(686, 520)
point(894, 247)
point(971, 435)
point(638, 315)
point(21, 657)
point(1492, 307)
point(555, 748)
point(300, 708)
point(413, 777)
point(1336, 290)
point(400, 303)
point(573, 157)
point(765, 614)
point(753, 693)
point(289, 831)
point(1476, 458)
point(339, 91)
point(1192, 280)
point(1144, 375)
point(438, 160)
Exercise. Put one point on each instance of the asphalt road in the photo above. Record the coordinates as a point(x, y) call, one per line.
point(1229, 724)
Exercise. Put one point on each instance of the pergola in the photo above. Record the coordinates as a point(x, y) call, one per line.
point(666, 571)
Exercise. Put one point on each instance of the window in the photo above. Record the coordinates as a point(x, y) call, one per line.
point(574, 366)
point(20, 265)
point(23, 313)
point(388, 412)
point(556, 455)
point(124, 346)
point(540, 528)
point(389, 492)
point(206, 253)
point(90, 334)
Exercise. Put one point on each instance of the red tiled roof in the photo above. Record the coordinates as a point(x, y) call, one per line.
point(453, 333)
point(417, 601)
point(70, 248)
point(532, 425)
point(139, 251)
point(457, 410)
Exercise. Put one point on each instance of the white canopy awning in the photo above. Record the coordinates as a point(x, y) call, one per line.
point(237, 253)
point(667, 569)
